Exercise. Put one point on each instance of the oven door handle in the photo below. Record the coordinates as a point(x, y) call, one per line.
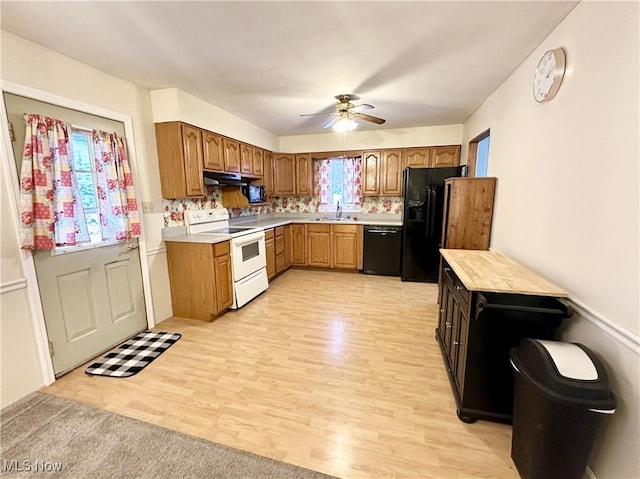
point(252, 238)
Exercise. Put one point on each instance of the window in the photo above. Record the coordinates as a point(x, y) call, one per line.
point(86, 192)
point(340, 180)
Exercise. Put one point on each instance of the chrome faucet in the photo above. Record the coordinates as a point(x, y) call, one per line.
point(338, 210)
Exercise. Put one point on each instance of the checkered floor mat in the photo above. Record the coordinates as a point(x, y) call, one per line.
point(132, 356)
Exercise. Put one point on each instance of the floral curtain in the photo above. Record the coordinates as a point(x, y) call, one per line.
point(119, 216)
point(323, 175)
point(46, 185)
point(353, 181)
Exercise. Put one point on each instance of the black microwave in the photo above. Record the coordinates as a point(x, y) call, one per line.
point(255, 193)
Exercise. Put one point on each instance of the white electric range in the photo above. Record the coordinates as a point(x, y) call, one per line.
point(248, 252)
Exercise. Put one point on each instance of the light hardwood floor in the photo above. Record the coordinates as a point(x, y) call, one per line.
point(335, 372)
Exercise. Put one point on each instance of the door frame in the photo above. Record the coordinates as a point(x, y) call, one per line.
point(472, 155)
point(28, 264)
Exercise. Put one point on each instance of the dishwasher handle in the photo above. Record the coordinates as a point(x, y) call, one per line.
point(383, 232)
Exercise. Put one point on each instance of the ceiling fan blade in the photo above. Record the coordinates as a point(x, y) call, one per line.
point(370, 118)
point(364, 106)
point(319, 114)
point(332, 122)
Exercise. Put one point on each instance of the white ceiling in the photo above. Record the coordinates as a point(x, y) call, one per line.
point(419, 63)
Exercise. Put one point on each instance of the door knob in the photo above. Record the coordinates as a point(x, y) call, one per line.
point(132, 246)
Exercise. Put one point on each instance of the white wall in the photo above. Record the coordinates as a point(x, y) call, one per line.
point(32, 67)
point(172, 104)
point(371, 139)
point(567, 200)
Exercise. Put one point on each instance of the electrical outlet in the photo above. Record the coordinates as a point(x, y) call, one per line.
point(147, 207)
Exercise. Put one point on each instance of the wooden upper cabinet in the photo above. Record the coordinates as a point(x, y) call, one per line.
point(371, 173)
point(231, 155)
point(213, 151)
point(391, 173)
point(246, 159)
point(257, 161)
point(284, 173)
point(417, 157)
point(304, 175)
point(179, 159)
point(444, 156)
point(267, 175)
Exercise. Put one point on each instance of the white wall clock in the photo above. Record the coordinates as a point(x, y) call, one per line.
point(549, 75)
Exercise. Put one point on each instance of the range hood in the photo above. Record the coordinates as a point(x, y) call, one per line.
point(222, 179)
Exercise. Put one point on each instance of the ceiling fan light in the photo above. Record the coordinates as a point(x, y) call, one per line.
point(344, 125)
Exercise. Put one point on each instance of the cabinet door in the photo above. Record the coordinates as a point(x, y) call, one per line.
point(270, 249)
point(304, 175)
point(192, 147)
point(284, 172)
point(288, 246)
point(345, 247)
point(231, 155)
point(298, 245)
point(319, 245)
point(461, 347)
point(246, 159)
point(171, 159)
point(256, 166)
point(213, 151)
point(224, 281)
point(417, 157)
point(391, 173)
point(267, 175)
point(371, 170)
point(444, 156)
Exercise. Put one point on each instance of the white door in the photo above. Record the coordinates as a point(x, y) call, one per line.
point(92, 300)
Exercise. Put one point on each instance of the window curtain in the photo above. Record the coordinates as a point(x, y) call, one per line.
point(353, 181)
point(324, 182)
point(119, 216)
point(46, 185)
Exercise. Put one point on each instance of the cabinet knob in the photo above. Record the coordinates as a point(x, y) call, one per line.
point(458, 288)
point(448, 325)
point(446, 268)
point(457, 343)
point(442, 310)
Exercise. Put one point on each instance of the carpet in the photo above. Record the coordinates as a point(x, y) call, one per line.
point(133, 355)
point(47, 436)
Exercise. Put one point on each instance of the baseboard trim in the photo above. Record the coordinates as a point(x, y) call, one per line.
point(620, 334)
point(14, 285)
point(155, 251)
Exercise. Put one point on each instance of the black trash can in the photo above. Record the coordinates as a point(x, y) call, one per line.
point(561, 396)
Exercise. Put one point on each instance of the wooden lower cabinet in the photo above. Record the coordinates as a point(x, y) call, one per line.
point(288, 244)
point(280, 248)
point(345, 247)
point(200, 277)
point(270, 250)
point(319, 245)
point(298, 245)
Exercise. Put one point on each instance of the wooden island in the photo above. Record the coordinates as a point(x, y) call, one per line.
point(488, 303)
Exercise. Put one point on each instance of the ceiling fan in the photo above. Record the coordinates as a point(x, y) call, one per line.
point(346, 112)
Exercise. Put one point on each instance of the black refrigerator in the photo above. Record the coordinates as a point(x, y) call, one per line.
point(422, 221)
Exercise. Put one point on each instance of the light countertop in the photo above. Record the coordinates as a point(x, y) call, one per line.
point(179, 233)
point(494, 272)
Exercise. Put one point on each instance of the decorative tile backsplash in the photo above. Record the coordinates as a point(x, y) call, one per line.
point(173, 210)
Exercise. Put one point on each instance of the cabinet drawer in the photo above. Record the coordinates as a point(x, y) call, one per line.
point(457, 286)
point(318, 228)
point(268, 234)
point(220, 249)
point(279, 245)
point(345, 229)
point(279, 231)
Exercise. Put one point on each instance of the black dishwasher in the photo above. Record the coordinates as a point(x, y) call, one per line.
point(382, 250)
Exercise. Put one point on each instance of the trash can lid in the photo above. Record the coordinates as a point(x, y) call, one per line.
point(567, 372)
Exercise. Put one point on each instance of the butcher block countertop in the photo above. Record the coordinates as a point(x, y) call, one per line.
point(494, 272)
